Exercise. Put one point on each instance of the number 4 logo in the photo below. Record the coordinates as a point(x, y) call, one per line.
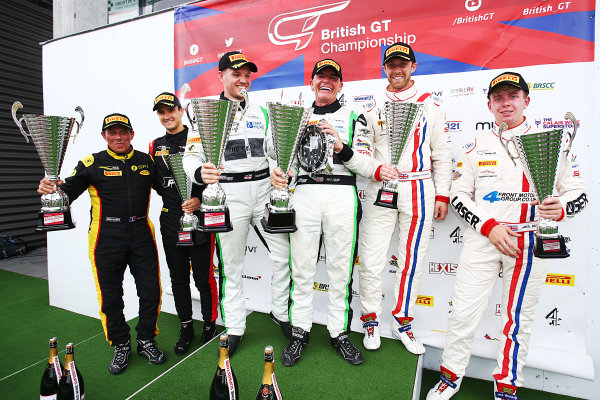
point(492, 197)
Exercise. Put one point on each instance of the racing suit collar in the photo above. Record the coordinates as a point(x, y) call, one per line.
point(520, 129)
point(242, 103)
point(118, 156)
point(401, 95)
point(330, 108)
point(172, 137)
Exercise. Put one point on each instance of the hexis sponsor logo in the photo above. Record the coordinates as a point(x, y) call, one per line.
point(424, 301)
point(442, 268)
point(517, 197)
point(560, 280)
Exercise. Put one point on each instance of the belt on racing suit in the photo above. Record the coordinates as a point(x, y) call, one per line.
point(327, 179)
point(126, 219)
point(244, 176)
point(414, 176)
point(521, 227)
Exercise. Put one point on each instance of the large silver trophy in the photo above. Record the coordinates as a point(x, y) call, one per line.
point(288, 123)
point(188, 223)
point(402, 120)
point(50, 136)
point(540, 155)
point(215, 120)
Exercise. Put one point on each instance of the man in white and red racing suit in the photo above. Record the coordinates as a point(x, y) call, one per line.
point(424, 172)
point(494, 198)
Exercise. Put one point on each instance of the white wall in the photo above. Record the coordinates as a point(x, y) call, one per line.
point(122, 68)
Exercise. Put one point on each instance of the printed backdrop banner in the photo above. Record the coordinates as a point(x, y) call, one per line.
point(460, 46)
point(449, 36)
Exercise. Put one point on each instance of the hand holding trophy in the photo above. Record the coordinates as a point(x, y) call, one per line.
point(50, 136)
point(214, 119)
point(540, 154)
point(401, 122)
point(288, 123)
point(188, 223)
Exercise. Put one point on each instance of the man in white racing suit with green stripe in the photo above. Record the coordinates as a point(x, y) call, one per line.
point(245, 182)
point(327, 203)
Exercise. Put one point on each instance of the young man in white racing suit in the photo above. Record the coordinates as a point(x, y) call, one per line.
point(326, 204)
point(245, 180)
point(424, 173)
point(493, 196)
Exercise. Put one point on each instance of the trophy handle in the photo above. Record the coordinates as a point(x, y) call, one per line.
point(79, 124)
point(501, 130)
point(246, 105)
point(162, 155)
point(192, 120)
point(571, 118)
point(184, 90)
point(15, 107)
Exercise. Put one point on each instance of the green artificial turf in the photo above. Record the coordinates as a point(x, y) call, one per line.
point(27, 322)
point(320, 373)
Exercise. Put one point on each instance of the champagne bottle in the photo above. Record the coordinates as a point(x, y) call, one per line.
point(52, 373)
point(71, 385)
point(269, 389)
point(224, 385)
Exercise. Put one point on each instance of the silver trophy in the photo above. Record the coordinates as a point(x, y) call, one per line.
point(188, 223)
point(215, 119)
point(540, 155)
point(288, 122)
point(315, 152)
point(50, 136)
point(402, 120)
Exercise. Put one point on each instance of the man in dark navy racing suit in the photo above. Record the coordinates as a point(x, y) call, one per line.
point(200, 256)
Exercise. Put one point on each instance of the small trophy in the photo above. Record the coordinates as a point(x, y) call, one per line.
point(315, 151)
point(215, 120)
point(188, 223)
point(288, 123)
point(50, 136)
point(401, 122)
point(540, 154)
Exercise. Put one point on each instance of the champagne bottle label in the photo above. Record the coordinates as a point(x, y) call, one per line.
point(276, 387)
point(230, 384)
point(76, 390)
point(57, 368)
